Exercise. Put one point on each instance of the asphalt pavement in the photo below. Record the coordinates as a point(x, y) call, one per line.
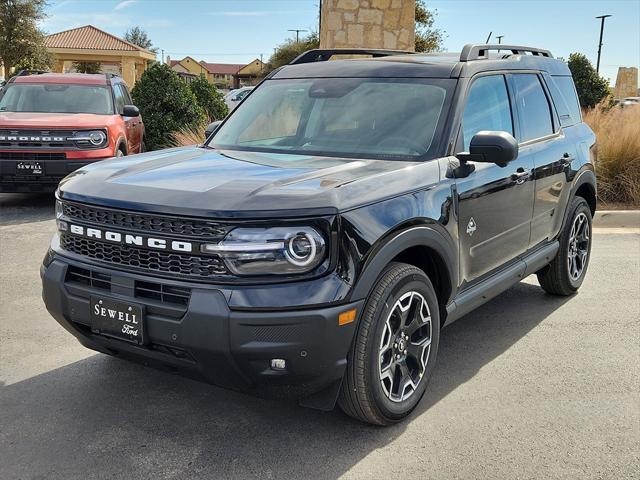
point(527, 386)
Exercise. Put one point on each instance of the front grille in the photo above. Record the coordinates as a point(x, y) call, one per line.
point(137, 258)
point(212, 231)
point(36, 138)
point(32, 156)
point(148, 290)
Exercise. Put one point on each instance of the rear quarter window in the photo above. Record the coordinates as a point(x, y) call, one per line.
point(565, 99)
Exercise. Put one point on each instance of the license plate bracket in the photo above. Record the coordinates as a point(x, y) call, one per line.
point(117, 318)
point(29, 168)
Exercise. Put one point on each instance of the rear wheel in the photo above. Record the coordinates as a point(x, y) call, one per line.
point(394, 352)
point(565, 274)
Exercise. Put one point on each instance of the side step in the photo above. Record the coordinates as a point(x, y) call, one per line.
point(493, 286)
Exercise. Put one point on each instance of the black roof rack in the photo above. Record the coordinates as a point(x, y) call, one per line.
point(473, 51)
point(322, 54)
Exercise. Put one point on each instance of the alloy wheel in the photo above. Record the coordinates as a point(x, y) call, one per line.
point(405, 346)
point(578, 251)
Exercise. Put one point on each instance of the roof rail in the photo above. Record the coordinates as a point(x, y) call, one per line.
point(324, 54)
point(480, 51)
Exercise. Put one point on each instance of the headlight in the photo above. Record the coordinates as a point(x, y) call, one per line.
point(90, 138)
point(270, 251)
point(59, 209)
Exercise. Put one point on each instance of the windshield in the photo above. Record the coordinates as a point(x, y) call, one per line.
point(357, 117)
point(56, 98)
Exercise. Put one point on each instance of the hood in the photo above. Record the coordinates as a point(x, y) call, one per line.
point(200, 181)
point(53, 121)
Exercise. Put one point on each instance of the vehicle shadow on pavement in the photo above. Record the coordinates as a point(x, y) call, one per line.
point(102, 417)
point(18, 208)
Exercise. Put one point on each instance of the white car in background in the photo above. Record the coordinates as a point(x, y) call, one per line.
point(234, 97)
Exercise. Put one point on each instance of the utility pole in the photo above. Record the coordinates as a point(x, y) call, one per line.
point(601, 17)
point(499, 37)
point(297, 33)
point(162, 50)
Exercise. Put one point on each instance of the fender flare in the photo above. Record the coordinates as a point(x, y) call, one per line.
point(417, 236)
point(584, 176)
point(121, 142)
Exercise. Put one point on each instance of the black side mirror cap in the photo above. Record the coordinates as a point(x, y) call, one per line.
point(491, 147)
point(211, 128)
point(130, 111)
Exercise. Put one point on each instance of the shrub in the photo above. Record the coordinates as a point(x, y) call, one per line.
point(591, 87)
point(166, 104)
point(618, 163)
point(209, 98)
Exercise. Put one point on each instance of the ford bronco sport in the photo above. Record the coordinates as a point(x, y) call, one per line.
point(52, 124)
point(320, 239)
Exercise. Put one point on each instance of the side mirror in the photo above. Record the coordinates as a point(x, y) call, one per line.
point(491, 147)
point(130, 111)
point(211, 128)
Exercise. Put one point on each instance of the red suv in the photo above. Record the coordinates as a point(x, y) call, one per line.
point(52, 124)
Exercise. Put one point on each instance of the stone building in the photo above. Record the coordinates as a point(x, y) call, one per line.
point(90, 44)
point(386, 24)
point(626, 82)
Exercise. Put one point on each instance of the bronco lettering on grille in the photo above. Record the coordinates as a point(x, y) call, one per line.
point(129, 239)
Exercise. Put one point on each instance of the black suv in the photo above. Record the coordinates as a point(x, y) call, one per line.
point(323, 235)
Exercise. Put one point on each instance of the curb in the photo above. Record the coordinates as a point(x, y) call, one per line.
point(617, 219)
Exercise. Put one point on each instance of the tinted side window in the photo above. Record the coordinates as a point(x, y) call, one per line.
point(120, 102)
point(126, 95)
point(532, 107)
point(568, 92)
point(487, 108)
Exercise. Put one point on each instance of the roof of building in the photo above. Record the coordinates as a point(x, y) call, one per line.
point(75, 78)
point(90, 38)
point(222, 68)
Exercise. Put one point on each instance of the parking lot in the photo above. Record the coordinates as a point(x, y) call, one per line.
point(528, 386)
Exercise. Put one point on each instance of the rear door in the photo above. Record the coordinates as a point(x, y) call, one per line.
point(541, 138)
point(494, 203)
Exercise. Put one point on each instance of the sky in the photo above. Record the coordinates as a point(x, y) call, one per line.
point(238, 31)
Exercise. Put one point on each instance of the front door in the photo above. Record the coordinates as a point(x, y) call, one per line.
point(494, 203)
point(133, 124)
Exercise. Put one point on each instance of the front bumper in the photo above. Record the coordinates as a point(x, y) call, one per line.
point(206, 339)
point(54, 170)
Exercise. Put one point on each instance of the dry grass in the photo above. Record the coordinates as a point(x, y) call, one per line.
point(188, 136)
point(618, 164)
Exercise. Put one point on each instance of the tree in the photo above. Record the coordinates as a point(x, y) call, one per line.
point(591, 87)
point(166, 103)
point(139, 37)
point(290, 49)
point(87, 67)
point(21, 41)
point(209, 98)
point(428, 38)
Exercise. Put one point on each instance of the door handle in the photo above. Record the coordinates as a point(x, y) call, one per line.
point(520, 176)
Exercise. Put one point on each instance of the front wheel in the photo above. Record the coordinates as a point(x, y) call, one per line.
point(565, 274)
point(395, 348)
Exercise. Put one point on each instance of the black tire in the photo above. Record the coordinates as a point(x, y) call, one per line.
point(363, 395)
point(556, 278)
